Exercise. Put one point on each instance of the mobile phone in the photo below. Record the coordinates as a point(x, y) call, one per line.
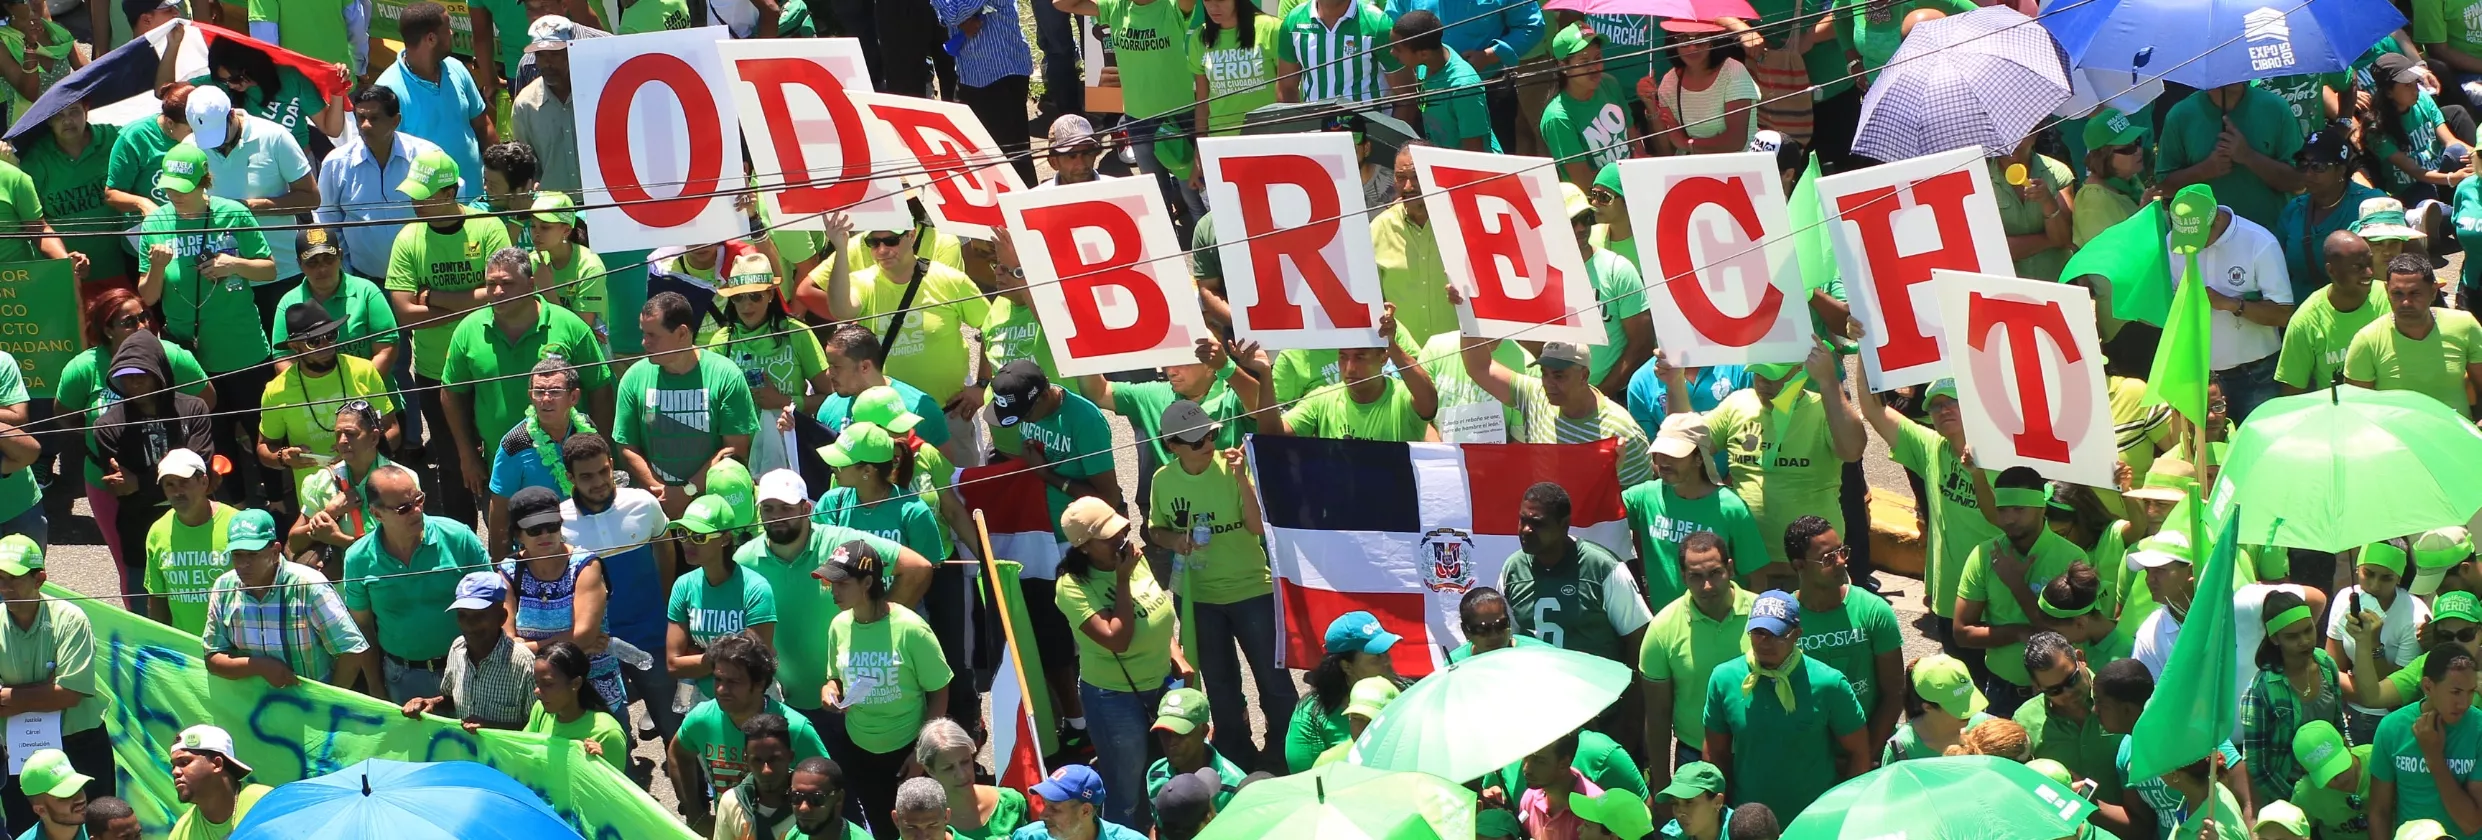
point(2084, 787)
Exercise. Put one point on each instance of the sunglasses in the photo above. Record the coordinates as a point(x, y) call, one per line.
point(316, 342)
point(814, 798)
point(1600, 195)
point(2132, 150)
point(408, 507)
point(232, 80)
point(751, 297)
point(1490, 629)
point(2074, 678)
point(127, 322)
point(547, 392)
point(543, 530)
point(2322, 166)
point(696, 538)
point(884, 241)
point(2466, 637)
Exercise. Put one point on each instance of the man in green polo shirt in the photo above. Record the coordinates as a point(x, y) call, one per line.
point(1684, 643)
point(1995, 596)
point(1181, 728)
point(487, 396)
point(435, 275)
point(792, 548)
point(1955, 523)
point(2322, 328)
point(2239, 139)
point(399, 582)
point(47, 664)
point(2335, 782)
point(2421, 348)
point(1777, 720)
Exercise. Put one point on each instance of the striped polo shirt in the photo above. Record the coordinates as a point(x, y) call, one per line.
point(1347, 63)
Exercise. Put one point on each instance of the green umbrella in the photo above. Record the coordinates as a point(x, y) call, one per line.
point(2345, 467)
point(1966, 797)
point(1344, 801)
point(1477, 716)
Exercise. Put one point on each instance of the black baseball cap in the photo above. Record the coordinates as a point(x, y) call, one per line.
point(304, 321)
point(2326, 145)
point(2396, 67)
point(854, 560)
point(534, 507)
point(1015, 390)
point(1183, 803)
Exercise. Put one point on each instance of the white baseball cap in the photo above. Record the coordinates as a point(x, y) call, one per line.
point(210, 116)
point(213, 739)
point(783, 485)
point(180, 463)
point(2160, 550)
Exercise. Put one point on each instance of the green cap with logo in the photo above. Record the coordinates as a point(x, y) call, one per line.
point(1944, 681)
point(706, 515)
point(731, 481)
point(2320, 750)
point(882, 406)
point(48, 773)
point(2460, 605)
point(250, 530)
point(861, 443)
point(185, 165)
point(1182, 711)
point(2193, 218)
point(2108, 128)
point(1695, 779)
point(555, 207)
point(1573, 40)
point(20, 555)
point(432, 171)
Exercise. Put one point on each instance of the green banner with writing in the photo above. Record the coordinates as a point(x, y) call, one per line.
point(460, 24)
point(156, 684)
point(39, 320)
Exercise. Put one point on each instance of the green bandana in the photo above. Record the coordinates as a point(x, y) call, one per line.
point(1781, 674)
point(549, 450)
point(2288, 618)
point(2021, 497)
point(2055, 611)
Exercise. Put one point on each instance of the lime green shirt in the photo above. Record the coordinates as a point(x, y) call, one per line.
point(424, 260)
point(1683, 646)
point(1239, 79)
point(1413, 276)
point(1784, 465)
point(1232, 567)
point(930, 351)
point(314, 28)
point(194, 826)
point(1957, 524)
point(2051, 556)
point(1149, 656)
point(887, 670)
point(597, 727)
point(1333, 413)
point(2381, 355)
point(300, 409)
point(2337, 815)
point(2317, 338)
point(183, 561)
point(580, 285)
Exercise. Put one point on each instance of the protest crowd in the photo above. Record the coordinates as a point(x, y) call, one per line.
point(357, 397)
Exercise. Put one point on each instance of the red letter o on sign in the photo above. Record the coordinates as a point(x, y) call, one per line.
point(706, 139)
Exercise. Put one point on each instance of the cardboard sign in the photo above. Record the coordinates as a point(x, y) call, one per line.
point(33, 327)
point(1107, 275)
point(658, 134)
point(1715, 245)
point(810, 139)
point(2029, 374)
point(1506, 245)
point(961, 169)
point(1295, 240)
point(1896, 223)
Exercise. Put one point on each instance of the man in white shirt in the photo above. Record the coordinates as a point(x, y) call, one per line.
point(624, 524)
point(2250, 292)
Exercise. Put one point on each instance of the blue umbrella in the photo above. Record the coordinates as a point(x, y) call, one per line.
point(2211, 43)
point(399, 800)
point(1983, 78)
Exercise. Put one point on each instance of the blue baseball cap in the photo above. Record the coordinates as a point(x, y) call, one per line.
point(1359, 632)
point(1775, 612)
point(480, 591)
point(1076, 782)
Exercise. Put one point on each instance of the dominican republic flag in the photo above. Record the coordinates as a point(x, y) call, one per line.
point(1020, 701)
point(1404, 530)
point(119, 86)
point(1012, 499)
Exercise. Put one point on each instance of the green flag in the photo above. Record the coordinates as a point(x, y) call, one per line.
point(2132, 256)
point(2196, 705)
point(2181, 367)
point(1813, 248)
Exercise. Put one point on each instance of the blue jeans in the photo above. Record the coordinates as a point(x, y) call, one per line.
point(1119, 721)
point(1064, 88)
point(2247, 385)
point(1249, 624)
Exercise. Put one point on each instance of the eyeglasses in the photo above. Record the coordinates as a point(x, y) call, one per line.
point(126, 322)
point(1839, 553)
point(2074, 677)
point(547, 392)
point(543, 530)
point(1014, 271)
point(2322, 166)
point(2217, 406)
point(884, 241)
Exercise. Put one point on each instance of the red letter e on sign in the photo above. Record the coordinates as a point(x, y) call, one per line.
point(1505, 242)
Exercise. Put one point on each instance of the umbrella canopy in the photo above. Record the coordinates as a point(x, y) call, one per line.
point(400, 800)
point(2346, 467)
point(1984, 78)
point(1972, 797)
point(1344, 801)
point(1456, 723)
point(1669, 9)
point(2210, 43)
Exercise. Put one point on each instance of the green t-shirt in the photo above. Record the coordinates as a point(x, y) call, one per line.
point(1077, 443)
point(1233, 566)
point(2080, 745)
point(2020, 217)
point(2050, 557)
point(710, 735)
point(2305, 94)
point(2397, 759)
point(70, 190)
point(581, 286)
point(19, 203)
point(138, 156)
point(18, 492)
point(803, 606)
point(314, 28)
point(1314, 729)
point(1907, 744)
point(1239, 79)
point(300, 409)
point(191, 301)
point(2195, 125)
point(1440, 358)
point(1782, 758)
point(2318, 336)
point(1453, 108)
point(486, 366)
point(1010, 333)
point(368, 319)
point(887, 669)
point(2457, 26)
point(2334, 814)
point(1684, 647)
point(1599, 758)
point(1622, 292)
point(1851, 640)
point(193, 825)
point(410, 598)
point(905, 519)
point(2381, 355)
point(296, 99)
point(1333, 413)
point(184, 561)
point(423, 259)
point(1784, 465)
point(1142, 404)
point(1660, 519)
point(1544, 423)
point(788, 360)
point(1874, 33)
point(1149, 656)
point(598, 727)
point(1588, 603)
point(1298, 372)
point(2420, 124)
point(1594, 130)
point(1956, 523)
point(1150, 41)
point(709, 611)
point(678, 421)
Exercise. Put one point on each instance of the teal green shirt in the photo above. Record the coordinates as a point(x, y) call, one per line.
point(2195, 125)
point(410, 599)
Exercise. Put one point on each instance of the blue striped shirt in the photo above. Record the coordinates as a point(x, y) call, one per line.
point(998, 51)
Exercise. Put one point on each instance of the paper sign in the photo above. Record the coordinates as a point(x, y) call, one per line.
point(1107, 275)
point(30, 732)
point(1893, 225)
point(961, 169)
point(1294, 235)
point(807, 136)
point(1474, 422)
point(1716, 248)
point(2029, 374)
point(1505, 242)
point(658, 134)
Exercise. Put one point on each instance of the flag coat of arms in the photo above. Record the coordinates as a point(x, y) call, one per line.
point(1404, 530)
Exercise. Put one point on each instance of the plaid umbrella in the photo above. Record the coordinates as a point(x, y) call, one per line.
point(1984, 78)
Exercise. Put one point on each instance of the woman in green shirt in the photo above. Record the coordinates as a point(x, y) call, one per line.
point(975, 811)
point(281, 95)
point(568, 273)
point(870, 468)
point(2034, 209)
point(754, 330)
point(1126, 653)
point(1940, 707)
point(886, 676)
point(567, 705)
point(1357, 649)
point(2296, 684)
point(1235, 64)
point(2116, 174)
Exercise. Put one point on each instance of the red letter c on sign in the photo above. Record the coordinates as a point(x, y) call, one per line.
point(706, 139)
point(2025, 321)
point(1080, 278)
point(1672, 249)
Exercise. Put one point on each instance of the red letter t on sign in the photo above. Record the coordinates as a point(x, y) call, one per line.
point(2024, 320)
point(1892, 275)
point(1079, 278)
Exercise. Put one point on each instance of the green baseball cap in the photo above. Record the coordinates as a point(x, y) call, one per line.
point(2458, 605)
point(1183, 710)
point(1617, 811)
point(555, 207)
point(1695, 779)
point(2319, 748)
point(432, 171)
point(48, 773)
point(731, 480)
point(882, 406)
point(2109, 127)
point(1609, 178)
point(861, 443)
point(185, 165)
point(1573, 40)
point(1944, 681)
point(1370, 697)
point(1941, 388)
point(706, 515)
point(19, 555)
point(250, 530)
point(2193, 218)
point(2052, 770)
point(2284, 816)
point(1775, 370)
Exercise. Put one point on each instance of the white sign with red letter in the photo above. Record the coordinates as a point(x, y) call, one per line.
point(1505, 241)
point(657, 134)
point(1108, 277)
point(1896, 223)
point(1295, 239)
point(2029, 374)
point(962, 171)
point(809, 138)
point(1715, 246)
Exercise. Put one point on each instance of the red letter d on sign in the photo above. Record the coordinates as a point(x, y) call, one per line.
point(2025, 321)
point(1080, 278)
point(1270, 247)
point(706, 140)
point(770, 77)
